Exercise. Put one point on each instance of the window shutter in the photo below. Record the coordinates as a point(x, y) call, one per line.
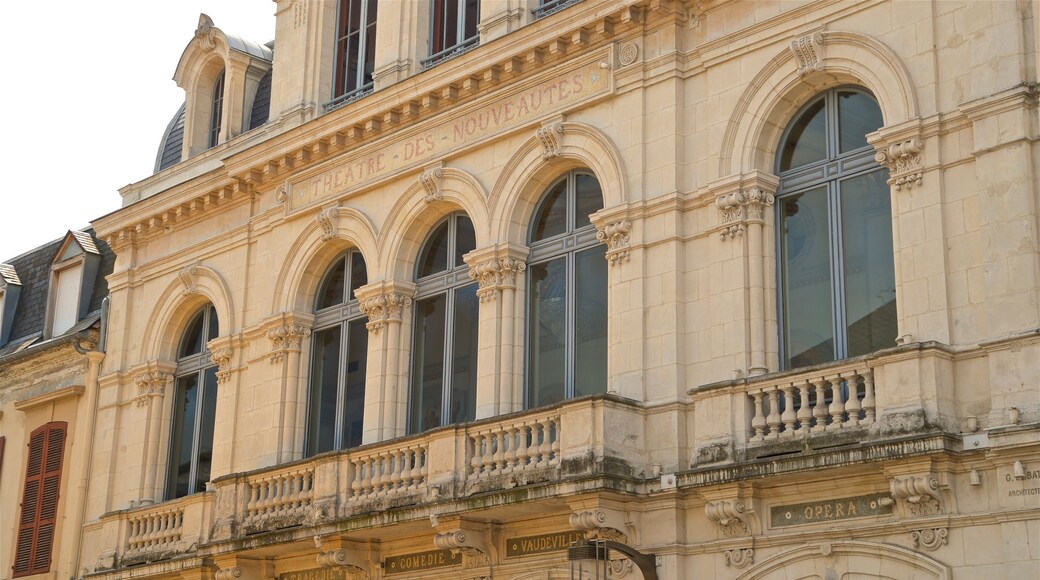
point(39, 511)
point(66, 299)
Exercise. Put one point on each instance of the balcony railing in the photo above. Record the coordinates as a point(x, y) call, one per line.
point(551, 7)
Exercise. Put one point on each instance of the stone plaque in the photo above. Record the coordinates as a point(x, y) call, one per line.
point(421, 561)
point(470, 126)
point(860, 506)
point(315, 574)
point(556, 542)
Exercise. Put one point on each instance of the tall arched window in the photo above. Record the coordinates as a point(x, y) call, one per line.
point(194, 408)
point(567, 294)
point(444, 353)
point(336, 407)
point(837, 280)
point(216, 110)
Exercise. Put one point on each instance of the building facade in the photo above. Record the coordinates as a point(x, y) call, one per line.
point(432, 289)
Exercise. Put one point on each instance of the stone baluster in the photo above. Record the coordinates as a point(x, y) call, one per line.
point(837, 408)
point(773, 419)
point(868, 397)
point(804, 412)
point(853, 407)
point(758, 421)
point(789, 417)
point(820, 409)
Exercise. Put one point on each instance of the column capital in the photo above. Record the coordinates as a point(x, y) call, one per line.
point(384, 302)
point(900, 148)
point(742, 200)
point(495, 268)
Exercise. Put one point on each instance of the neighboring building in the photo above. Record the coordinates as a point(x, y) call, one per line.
point(433, 288)
point(51, 319)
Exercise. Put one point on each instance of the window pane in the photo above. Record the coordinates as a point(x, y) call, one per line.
point(806, 266)
point(192, 341)
point(214, 326)
point(807, 141)
point(331, 292)
point(547, 333)
point(870, 283)
point(207, 420)
point(183, 436)
point(434, 255)
point(428, 364)
point(589, 199)
point(354, 403)
point(858, 114)
point(472, 17)
point(464, 355)
point(590, 322)
point(465, 239)
point(370, 43)
point(550, 219)
point(358, 273)
point(321, 424)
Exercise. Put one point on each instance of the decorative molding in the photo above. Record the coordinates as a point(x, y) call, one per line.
point(904, 162)
point(189, 276)
point(222, 358)
point(733, 517)
point(808, 52)
point(620, 567)
point(383, 309)
point(596, 524)
point(287, 337)
point(616, 236)
point(149, 384)
point(547, 135)
point(494, 275)
point(327, 219)
point(929, 538)
point(628, 53)
point(338, 559)
point(206, 33)
point(919, 494)
point(430, 180)
point(228, 573)
point(738, 208)
point(739, 557)
point(473, 555)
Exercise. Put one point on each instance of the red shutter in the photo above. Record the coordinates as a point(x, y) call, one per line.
point(39, 511)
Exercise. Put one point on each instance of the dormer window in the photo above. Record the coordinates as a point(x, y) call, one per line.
point(216, 110)
point(454, 29)
point(72, 278)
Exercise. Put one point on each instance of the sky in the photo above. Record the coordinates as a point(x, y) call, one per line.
point(87, 90)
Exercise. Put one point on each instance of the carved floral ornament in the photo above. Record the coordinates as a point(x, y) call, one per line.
point(929, 538)
point(287, 337)
point(739, 557)
point(494, 275)
point(616, 236)
point(383, 309)
point(733, 517)
point(736, 209)
point(189, 276)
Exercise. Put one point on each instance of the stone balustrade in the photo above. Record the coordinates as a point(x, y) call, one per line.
point(387, 470)
point(156, 530)
point(284, 495)
point(503, 448)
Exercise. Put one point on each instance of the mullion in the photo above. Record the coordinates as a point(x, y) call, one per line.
point(193, 470)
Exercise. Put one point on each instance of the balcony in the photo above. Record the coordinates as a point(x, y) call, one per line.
point(589, 438)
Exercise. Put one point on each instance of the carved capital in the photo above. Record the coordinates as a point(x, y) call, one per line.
point(739, 557)
point(151, 383)
point(189, 276)
point(919, 494)
point(737, 208)
point(222, 358)
point(494, 275)
point(616, 236)
point(287, 337)
point(733, 517)
point(430, 180)
point(327, 219)
point(548, 135)
point(384, 309)
point(929, 538)
point(904, 162)
point(808, 52)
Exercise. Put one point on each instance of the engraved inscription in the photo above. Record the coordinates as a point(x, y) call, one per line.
point(453, 133)
point(538, 544)
point(316, 574)
point(422, 561)
point(829, 510)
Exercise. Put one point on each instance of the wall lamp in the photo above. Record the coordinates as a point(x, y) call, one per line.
point(594, 557)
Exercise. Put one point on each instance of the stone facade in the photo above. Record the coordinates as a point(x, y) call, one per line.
point(689, 453)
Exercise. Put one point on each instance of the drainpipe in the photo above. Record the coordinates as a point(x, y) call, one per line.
point(85, 433)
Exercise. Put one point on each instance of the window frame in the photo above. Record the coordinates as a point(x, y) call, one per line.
point(570, 243)
point(340, 93)
point(446, 282)
point(336, 315)
point(830, 172)
point(57, 269)
point(216, 111)
point(187, 365)
point(462, 43)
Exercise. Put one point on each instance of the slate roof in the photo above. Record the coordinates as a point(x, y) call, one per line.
point(261, 103)
point(33, 268)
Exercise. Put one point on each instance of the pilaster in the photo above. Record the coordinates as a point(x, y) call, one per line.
point(388, 306)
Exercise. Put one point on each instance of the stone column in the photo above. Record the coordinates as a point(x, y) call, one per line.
point(287, 342)
point(500, 335)
point(387, 305)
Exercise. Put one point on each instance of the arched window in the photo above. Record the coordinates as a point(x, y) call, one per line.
point(444, 353)
point(355, 46)
point(216, 110)
point(194, 408)
point(336, 407)
point(837, 280)
point(567, 294)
